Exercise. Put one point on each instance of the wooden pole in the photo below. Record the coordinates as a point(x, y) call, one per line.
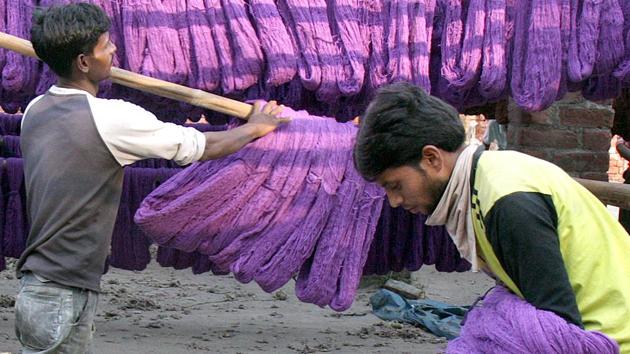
point(616, 194)
point(148, 84)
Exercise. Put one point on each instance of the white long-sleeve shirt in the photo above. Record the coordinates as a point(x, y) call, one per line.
point(132, 133)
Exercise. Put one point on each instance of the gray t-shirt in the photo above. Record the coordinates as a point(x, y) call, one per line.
point(74, 147)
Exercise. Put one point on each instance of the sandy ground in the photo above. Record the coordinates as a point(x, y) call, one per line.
point(161, 310)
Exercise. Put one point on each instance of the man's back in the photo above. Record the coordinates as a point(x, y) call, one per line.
point(73, 186)
point(593, 247)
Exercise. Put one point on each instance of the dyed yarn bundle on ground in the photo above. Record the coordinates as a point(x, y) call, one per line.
point(289, 203)
point(505, 323)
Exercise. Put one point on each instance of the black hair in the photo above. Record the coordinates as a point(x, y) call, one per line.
point(60, 33)
point(399, 122)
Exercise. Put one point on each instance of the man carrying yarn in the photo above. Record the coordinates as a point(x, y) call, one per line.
point(74, 147)
point(521, 219)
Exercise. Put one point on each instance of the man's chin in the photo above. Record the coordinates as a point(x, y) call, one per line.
point(419, 211)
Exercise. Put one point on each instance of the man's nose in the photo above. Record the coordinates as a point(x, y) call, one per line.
point(394, 199)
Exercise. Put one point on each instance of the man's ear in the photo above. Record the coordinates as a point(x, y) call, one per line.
point(432, 158)
point(82, 64)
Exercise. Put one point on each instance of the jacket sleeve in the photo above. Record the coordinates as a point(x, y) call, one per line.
point(522, 229)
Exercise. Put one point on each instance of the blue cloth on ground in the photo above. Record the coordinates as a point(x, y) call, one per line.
point(437, 317)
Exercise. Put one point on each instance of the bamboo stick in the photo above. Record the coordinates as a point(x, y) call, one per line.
point(148, 84)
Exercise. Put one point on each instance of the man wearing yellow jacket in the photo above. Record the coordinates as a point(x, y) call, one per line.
point(521, 219)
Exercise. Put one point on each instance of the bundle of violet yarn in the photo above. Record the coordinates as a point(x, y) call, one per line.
point(290, 203)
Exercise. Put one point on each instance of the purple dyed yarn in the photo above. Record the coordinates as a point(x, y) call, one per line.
point(176, 259)
point(205, 70)
point(16, 224)
point(10, 124)
point(377, 73)
point(349, 24)
point(492, 82)
point(130, 246)
point(3, 28)
point(314, 34)
point(343, 246)
point(279, 49)
point(309, 221)
point(246, 51)
point(2, 207)
point(178, 10)
point(403, 241)
point(287, 179)
point(366, 218)
point(3, 52)
point(421, 32)
point(397, 21)
point(565, 39)
point(584, 37)
point(622, 72)
point(505, 323)
point(134, 32)
point(20, 73)
point(11, 146)
point(537, 60)
point(164, 58)
point(462, 43)
point(170, 257)
point(328, 52)
point(220, 36)
point(603, 84)
point(298, 23)
point(263, 222)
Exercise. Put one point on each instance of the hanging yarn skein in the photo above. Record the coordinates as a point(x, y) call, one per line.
point(537, 60)
point(279, 49)
point(349, 24)
point(421, 13)
point(246, 51)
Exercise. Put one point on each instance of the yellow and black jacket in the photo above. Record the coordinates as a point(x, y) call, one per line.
point(552, 242)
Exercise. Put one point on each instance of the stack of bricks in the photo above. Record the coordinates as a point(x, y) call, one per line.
point(573, 133)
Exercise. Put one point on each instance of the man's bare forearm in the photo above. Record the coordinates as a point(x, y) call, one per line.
point(224, 143)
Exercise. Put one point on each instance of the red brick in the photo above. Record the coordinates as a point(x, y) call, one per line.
point(527, 118)
point(596, 139)
point(514, 135)
point(553, 138)
point(541, 154)
point(581, 161)
point(586, 117)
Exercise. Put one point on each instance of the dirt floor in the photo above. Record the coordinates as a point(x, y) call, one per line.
point(161, 310)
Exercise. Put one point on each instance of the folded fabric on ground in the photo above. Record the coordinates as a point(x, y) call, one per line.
point(289, 203)
point(505, 323)
point(437, 317)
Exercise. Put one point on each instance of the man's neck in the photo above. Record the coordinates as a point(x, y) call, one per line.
point(83, 85)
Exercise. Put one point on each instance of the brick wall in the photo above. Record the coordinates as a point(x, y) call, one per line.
point(573, 133)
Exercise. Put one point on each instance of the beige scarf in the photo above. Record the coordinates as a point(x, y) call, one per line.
point(454, 209)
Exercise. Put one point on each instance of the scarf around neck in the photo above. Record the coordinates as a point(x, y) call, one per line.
point(454, 208)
